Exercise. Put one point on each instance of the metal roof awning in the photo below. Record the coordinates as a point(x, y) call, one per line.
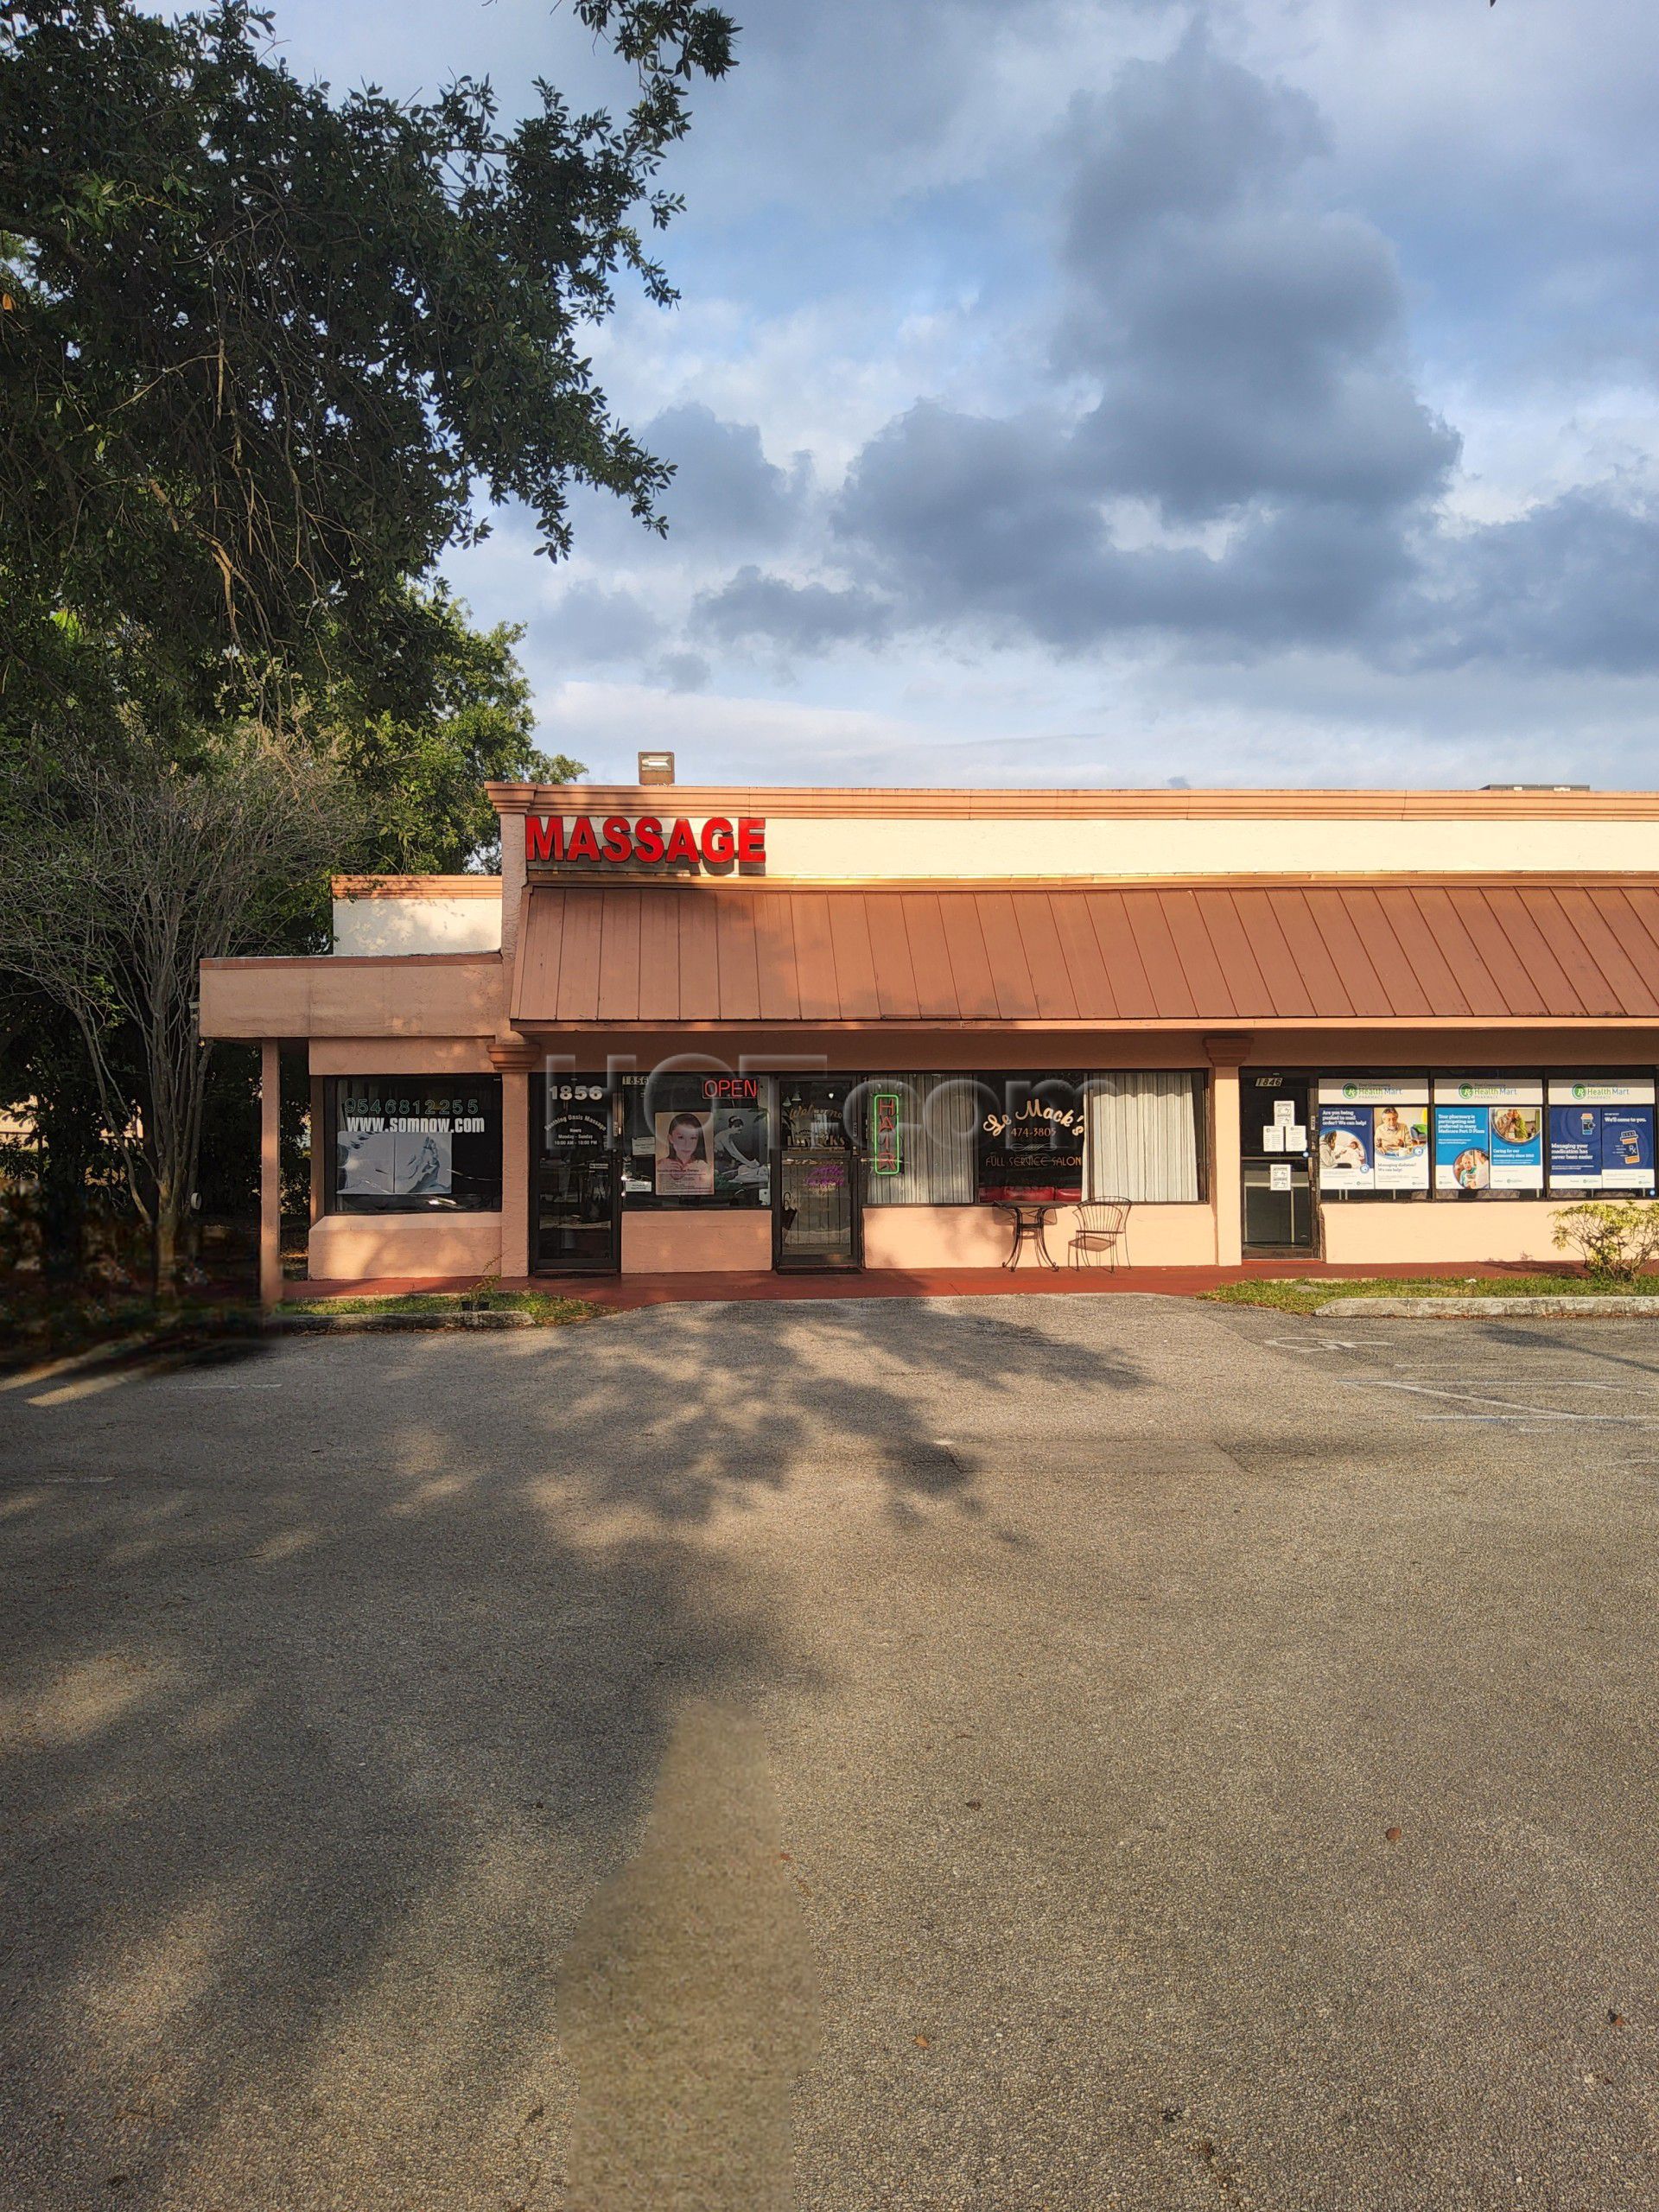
point(1515, 950)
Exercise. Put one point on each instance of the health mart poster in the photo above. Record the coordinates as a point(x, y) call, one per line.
point(1601, 1135)
point(1489, 1136)
point(1373, 1133)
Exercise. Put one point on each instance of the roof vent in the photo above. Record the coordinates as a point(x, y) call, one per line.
point(656, 767)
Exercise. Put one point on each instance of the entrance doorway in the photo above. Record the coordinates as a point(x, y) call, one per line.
point(575, 1217)
point(1278, 1187)
point(818, 1222)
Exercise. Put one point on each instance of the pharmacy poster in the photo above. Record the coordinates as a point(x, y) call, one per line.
point(1373, 1133)
point(1601, 1132)
point(1488, 1134)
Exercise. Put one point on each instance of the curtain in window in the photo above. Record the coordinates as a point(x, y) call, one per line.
point(938, 1117)
point(1141, 1138)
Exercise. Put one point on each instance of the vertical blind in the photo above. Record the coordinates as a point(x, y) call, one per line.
point(1141, 1138)
point(937, 1115)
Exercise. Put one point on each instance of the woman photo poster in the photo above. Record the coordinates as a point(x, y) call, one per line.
point(685, 1155)
point(1345, 1147)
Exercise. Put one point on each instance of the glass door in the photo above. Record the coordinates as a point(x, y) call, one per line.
point(575, 1218)
point(1278, 1188)
point(817, 1223)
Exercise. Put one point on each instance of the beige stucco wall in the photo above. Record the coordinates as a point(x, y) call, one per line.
point(429, 996)
point(697, 1244)
point(349, 1246)
point(400, 1056)
point(1441, 1231)
point(827, 849)
point(397, 926)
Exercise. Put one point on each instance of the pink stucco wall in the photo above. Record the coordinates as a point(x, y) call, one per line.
point(1515, 1229)
point(921, 1237)
point(696, 1243)
point(347, 1247)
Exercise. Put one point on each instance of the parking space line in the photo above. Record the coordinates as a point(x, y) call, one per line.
point(1502, 1405)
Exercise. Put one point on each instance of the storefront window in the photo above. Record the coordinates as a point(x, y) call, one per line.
point(697, 1140)
point(1373, 1137)
point(1030, 1137)
point(1144, 1137)
point(1601, 1135)
point(919, 1135)
point(1489, 1138)
point(415, 1144)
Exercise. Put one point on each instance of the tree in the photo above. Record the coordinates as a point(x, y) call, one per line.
point(444, 709)
point(124, 872)
point(261, 351)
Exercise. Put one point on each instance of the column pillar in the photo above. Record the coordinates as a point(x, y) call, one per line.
point(515, 1171)
point(270, 1174)
point(1225, 1056)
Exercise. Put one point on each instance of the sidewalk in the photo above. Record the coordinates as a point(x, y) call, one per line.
point(628, 1292)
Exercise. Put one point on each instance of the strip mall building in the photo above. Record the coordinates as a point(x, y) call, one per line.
point(691, 1029)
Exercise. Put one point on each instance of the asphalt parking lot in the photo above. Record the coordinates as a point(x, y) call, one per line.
point(1010, 1753)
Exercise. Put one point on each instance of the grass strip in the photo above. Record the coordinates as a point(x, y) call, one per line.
point(540, 1306)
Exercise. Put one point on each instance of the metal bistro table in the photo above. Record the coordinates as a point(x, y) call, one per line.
point(1031, 1219)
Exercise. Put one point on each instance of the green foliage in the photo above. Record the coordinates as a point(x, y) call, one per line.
point(443, 709)
point(1615, 1238)
point(262, 352)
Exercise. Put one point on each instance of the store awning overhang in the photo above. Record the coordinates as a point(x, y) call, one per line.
point(1465, 952)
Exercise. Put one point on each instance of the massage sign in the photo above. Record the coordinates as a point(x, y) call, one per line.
point(646, 843)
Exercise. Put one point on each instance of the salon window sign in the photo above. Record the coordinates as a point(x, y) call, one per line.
point(1488, 1134)
point(1600, 1133)
point(887, 1153)
point(1033, 1150)
point(1373, 1136)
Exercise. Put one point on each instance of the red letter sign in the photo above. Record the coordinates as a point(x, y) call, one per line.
point(618, 842)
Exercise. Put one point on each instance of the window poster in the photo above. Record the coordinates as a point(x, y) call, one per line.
point(685, 1154)
point(741, 1139)
point(1600, 1133)
point(396, 1164)
point(411, 1143)
point(1488, 1133)
point(1373, 1133)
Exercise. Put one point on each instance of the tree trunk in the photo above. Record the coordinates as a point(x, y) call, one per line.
point(164, 1248)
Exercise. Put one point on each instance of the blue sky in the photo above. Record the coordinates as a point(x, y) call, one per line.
point(1257, 392)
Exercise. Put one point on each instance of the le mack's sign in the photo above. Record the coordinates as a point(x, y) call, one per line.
point(644, 841)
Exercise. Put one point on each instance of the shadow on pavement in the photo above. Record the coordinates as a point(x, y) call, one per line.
point(337, 1679)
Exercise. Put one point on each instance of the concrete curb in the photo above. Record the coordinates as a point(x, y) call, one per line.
point(1486, 1309)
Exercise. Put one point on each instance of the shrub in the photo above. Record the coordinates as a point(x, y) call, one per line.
point(1615, 1238)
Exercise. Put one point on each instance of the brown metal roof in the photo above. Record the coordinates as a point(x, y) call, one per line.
point(1486, 951)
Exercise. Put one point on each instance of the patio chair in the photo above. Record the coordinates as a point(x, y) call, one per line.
point(1102, 1225)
